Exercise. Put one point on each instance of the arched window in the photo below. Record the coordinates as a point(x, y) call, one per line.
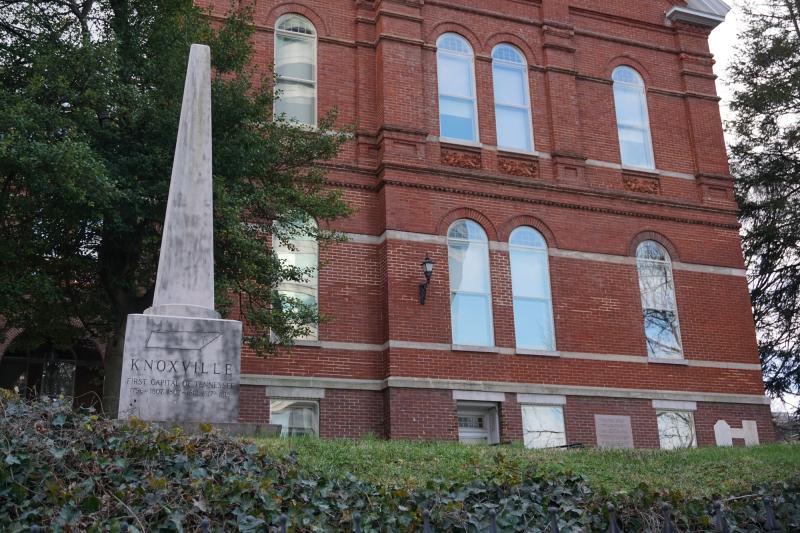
point(512, 104)
point(530, 282)
point(458, 112)
point(633, 125)
point(470, 291)
point(302, 253)
point(657, 287)
point(296, 69)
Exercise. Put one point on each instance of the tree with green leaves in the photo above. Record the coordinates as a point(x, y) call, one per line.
point(766, 164)
point(90, 95)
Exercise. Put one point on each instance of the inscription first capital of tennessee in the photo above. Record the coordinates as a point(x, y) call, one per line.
point(166, 366)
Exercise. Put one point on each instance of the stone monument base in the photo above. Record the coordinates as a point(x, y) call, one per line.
point(181, 369)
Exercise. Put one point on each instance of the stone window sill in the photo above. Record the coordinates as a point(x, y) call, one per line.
point(665, 361)
point(542, 353)
point(308, 343)
point(466, 348)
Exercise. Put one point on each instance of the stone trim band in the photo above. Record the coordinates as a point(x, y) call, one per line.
point(500, 387)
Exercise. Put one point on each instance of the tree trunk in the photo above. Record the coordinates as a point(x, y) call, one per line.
point(112, 365)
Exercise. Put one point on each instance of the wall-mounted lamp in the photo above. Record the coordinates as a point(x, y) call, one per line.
point(427, 269)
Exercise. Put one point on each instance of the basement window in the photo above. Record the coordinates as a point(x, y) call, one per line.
point(296, 417)
point(676, 429)
point(543, 426)
point(478, 423)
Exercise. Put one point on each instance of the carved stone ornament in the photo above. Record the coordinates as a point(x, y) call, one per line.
point(641, 184)
point(518, 167)
point(457, 158)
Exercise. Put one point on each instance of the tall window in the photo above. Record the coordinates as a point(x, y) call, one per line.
point(530, 282)
point(512, 105)
point(458, 110)
point(296, 69)
point(658, 301)
point(633, 125)
point(470, 293)
point(301, 253)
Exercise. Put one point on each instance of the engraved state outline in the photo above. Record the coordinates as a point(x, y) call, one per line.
point(216, 335)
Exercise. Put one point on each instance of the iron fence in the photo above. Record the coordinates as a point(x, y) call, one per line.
point(719, 522)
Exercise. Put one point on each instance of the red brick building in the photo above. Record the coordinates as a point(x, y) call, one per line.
point(562, 163)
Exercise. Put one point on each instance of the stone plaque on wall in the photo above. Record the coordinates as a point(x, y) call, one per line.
point(613, 431)
point(178, 368)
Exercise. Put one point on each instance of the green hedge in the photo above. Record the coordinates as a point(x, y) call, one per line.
point(65, 470)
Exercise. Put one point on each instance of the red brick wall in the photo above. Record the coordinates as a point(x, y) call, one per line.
point(253, 404)
point(709, 413)
point(422, 414)
point(351, 414)
point(579, 414)
point(377, 66)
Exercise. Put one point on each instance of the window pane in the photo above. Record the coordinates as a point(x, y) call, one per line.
point(529, 276)
point(655, 283)
point(676, 429)
point(509, 85)
point(296, 101)
point(455, 76)
point(661, 332)
point(629, 106)
point(471, 320)
point(633, 148)
point(295, 417)
point(468, 267)
point(457, 118)
point(513, 128)
point(533, 325)
point(295, 58)
point(525, 236)
point(543, 426)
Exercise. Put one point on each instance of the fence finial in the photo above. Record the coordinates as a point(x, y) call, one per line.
point(356, 522)
point(492, 521)
point(426, 521)
point(613, 527)
point(553, 519)
point(720, 524)
point(666, 511)
point(770, 522)
point(283, 521)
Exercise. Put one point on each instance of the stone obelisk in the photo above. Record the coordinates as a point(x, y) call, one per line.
point(181, 362)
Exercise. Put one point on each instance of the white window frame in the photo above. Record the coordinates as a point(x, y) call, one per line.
point(313, 83)
point(666, 264)
point(461, 56)
point(295, 401)
point(560, 407)
point(644, 128)
point(548, 299)
point(690, 415)
point(522, 67)
point(485, 245)
point(297, 287)
point(490, 413)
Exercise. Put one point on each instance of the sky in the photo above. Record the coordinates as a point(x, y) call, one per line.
point(723, 42)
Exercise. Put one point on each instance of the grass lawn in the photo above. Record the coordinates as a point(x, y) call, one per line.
point(696, 472)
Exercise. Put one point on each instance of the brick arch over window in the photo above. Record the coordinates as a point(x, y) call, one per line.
point(649, 235)
point(508, 38)
point(10, 335)
point(290, 7)
point(452, 27)
point(472, 214)
point(526, 220)
point(629, 61)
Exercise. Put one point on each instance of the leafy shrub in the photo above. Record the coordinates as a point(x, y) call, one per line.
point(74, 470)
